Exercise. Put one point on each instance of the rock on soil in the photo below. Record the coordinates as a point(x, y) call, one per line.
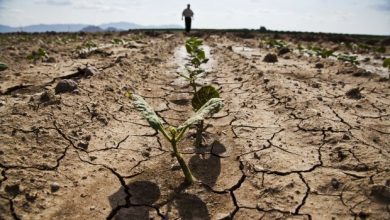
point(89, 71)
point(54, 187)
point(283, 51)
point(354, 93)
point(65, 85)
point(270, 58)
point(319, 65)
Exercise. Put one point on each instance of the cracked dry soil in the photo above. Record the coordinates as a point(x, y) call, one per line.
point(288, 144)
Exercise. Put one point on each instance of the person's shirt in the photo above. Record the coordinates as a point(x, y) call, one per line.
point(188, 13)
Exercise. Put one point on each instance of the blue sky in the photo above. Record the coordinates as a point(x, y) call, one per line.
point(340, 16)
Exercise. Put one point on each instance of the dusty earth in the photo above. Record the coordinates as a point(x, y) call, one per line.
point(292, 142)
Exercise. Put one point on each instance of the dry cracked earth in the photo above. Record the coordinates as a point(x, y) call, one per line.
point(290, 143)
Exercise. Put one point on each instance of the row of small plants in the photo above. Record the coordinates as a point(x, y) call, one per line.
point(205, 102)
point(316, 51)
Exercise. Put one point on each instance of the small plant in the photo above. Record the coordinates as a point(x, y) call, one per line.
point(381, 49)
point(386, 63)
point(3, 66)
point(322, 52)
point(175, 134)
point(276, 43)
point(200, 98)
point(118, 41)
point(40, 54)
point(196, 57)
point(348, 58)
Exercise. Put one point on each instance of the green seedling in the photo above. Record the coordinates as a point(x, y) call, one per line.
point(363, 47)
point(348, 58)
point(276, 43)
point(3, 66)
point(322, 52)
point(118, 41)
point(175, 134)
point(386, 63)
point(200, 98)
point(40, 54)
point(196, 57)
point(381, 49)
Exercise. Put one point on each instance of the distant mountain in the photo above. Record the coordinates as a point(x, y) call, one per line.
point(116, 26)
point(92, 28)
point(121, 25)
point(6, 29)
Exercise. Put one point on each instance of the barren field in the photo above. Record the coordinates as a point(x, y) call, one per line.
point(305, 137)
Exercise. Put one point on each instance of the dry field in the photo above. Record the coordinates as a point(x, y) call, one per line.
point(305, 137)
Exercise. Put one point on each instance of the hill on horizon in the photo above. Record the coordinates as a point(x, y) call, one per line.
point(117, 26)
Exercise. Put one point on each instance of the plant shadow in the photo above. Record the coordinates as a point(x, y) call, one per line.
point(144, 195)
point(207, 167)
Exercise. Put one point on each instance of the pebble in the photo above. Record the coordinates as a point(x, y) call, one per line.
point(83, 144)
point(54, 187)
point(319, 65)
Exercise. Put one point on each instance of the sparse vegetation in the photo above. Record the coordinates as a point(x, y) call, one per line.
point(38, 55)
point(3, 66)
point(118, 41)
point(348, 58)
point(386, 63)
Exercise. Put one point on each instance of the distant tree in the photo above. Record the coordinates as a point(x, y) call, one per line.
point(263, 29)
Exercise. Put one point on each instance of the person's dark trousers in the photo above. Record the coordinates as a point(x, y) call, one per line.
point(188, 24)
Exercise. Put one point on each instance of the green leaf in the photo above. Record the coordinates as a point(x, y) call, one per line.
point(201, 55)
point(203, 95)
point(348, 58)
point(117, 41)
point(386, 63)
point(196, 62)
point(3, 66)
point(211, 107)
point(147, 112)
point(41, 52)
point(189, 48)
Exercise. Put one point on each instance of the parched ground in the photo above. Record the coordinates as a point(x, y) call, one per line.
point(292, 141)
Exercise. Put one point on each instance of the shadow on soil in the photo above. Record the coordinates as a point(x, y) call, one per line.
point(207, 168)
point(144, 194)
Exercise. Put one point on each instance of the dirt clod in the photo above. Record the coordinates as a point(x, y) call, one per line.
point(381, 192)
point(283, 51)
point(89, 71)
point(335, 183)
point(12, 190)
point(354, 93)
point(65, 85)
point(83, 144)
point(270, 58)
point(319, 65)
point(54, 187)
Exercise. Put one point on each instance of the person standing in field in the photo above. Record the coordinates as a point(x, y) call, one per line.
point(188, 14)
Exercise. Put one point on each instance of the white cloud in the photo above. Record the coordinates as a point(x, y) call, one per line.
point(54, 2)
